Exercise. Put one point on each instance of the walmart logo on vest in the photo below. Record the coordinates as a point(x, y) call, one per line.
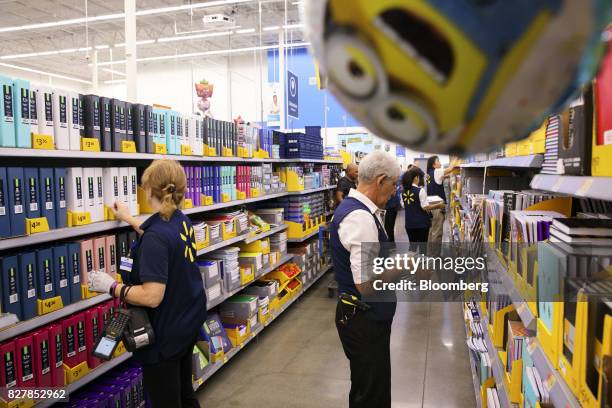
point(189, 240)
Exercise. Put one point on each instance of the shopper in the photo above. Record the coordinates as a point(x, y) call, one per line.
point(391, 209)
point(418, 218)
point(435, 187)
point(365, 335)
point(346, 183)
point(166, 281)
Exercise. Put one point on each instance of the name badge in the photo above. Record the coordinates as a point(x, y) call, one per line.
point(126, 264)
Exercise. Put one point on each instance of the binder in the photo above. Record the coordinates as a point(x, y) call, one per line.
point(91, 117)
point(133, 192)
point(111, 185)
point(99, 251)
point(42, 358)
point(75, 200)
point(99, 193)
point(32, 190)
point(56, 354)
point(87, 260)
point(117, 128)
point(28, 284)
point(16, 200)
point(33, 111)
point(170, 132)
point(124, 185)
point(81, 341)
point(60, 273)
point(21, 112)
point(11, 302)
point(105, 125)
point(162, 131)
point(129, 121)
point(574, 144)
point(60, 204)
point(44, 267)
point(46, 195)
point(139, 119)
point(8, 370)
point(74, 271)
point(81, 116)
point(25, 361)
point(111, 255)
point(69, 341)
point(149, 128)
point(5, 222)
point(89, 193)
point(44, 111)
point(123, 248)
point(60, 119)
point(7, 119)
point(93, 327)
point(74, 120)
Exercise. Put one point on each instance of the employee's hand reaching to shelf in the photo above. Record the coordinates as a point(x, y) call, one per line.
point(122, 213)
point(100, 282)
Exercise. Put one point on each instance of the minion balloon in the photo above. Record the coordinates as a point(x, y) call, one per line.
point(455, 76)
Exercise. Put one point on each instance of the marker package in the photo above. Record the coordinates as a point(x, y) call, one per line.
point(133, 193)
point(74, 120)
point(99, 251)
point(42, 358)
point(92, 333)
point(74, 271)
point(44, 267)
point(87, 260)
point(99, 193)
point(129, 121)
point(91, 117)
point(60, 119)
point(7, 119)
point(16, 200)
point(75, 189)
point(60, 204)
point(105, 125)
point(69, 338)
point(10, 286)
point(32, 190)
point(5, 221)
point(139, 120)
point(117, 123)
point(148, 128)
point(46, 195)
point(21, 112)
point(111, 185)
point(61, 277)
point(8, 368)
point(111, 255)
point(28, 284)
point(25, 361)
point(44, 111)
point(56, 354)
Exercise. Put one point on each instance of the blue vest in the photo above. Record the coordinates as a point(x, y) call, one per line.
point(433, 188)
point(342, 262)
point(416, 216)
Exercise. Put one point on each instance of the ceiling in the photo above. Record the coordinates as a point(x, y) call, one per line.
point(106, 37)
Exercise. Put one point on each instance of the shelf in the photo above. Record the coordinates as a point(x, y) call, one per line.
point(312, 190)
point(244, 237)
point(78, 154)
point(588, 187)
point(560, 394)
point(272, 231)
point(31, 324)
point(92, 375)
point(304, 238)
point(214, 367)
point(531, 161)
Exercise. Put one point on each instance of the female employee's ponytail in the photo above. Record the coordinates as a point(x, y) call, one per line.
point(166, 179)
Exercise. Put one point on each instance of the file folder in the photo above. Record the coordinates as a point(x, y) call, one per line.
point(7, 119)
point(75, 189)
point(42, 358)
point(74, 120)
point(21, 112)
point(25, 361)
point(44, 111)
point(60, 119)
point(129, 121)
point(32, 190)
point(46, 195)
point(44, 267)
point(60, 273)
point(117, 123)
point(16, 200)
point(28, 280)
point(5, 221)
point(59, 184)
point(56, 354)
point(10, 286)
point(74, 271)
point(105, 124)
point(91, 117)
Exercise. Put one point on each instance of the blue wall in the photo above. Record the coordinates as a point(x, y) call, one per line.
point(311, 99)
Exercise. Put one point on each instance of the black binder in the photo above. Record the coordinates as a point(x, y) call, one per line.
point(91, 116)
point(105, 125)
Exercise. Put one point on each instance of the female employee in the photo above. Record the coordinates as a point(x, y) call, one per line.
point(417, 210)
point(166, 281)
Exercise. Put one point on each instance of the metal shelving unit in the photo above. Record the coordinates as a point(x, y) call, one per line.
point(587, 187)
point(312, 190)
point(531, 161)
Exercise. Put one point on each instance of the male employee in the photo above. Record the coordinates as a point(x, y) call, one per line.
point(346, 183)
point(365, 334)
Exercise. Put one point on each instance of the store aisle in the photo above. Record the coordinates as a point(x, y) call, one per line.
point(299, 358)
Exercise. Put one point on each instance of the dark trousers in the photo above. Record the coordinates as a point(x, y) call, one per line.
point(366, 344)
point(168, 383)
point(390, 216)
point(418, 239)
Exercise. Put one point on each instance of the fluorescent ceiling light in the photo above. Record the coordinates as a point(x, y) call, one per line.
point(44, 53)
point(117, 16)
point(245, 31)
point(36, 71)
point(271, 28)
point(115, 81)
point(113, 71)
point(193, 36)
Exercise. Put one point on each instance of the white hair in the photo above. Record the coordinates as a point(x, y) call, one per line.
point(376, 164)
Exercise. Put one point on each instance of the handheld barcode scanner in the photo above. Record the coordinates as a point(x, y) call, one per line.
point(113, 332)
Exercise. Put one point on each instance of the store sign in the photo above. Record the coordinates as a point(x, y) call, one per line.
point(292, 95)
point(400, 151)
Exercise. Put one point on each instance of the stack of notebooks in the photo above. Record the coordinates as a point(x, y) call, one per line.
point(529, 227)
point(551, 155)
point(534, 389)
point(591, 231)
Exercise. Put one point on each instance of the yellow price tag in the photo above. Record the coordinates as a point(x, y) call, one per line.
point(186, 150)
point(81, 218)
point(128, 146)
point(43, 142)
point(188, 203)
point(45, 306)
point(36, 225)
point(160, 148)
point(90, 144)
point(209, 200)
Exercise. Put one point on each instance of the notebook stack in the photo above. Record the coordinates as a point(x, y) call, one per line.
point(551, 155)
point(591, 231)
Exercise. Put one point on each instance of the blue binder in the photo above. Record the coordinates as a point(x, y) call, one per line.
point(29, 284)
point(10, 286)
point(32, 190)
point(59, 184)
point(74, 271)
point(44, 266)
point(47, 195)
point(5, 221)
point(21, 112)
point(60, 273)
point(16, 200)
point(7, 119)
